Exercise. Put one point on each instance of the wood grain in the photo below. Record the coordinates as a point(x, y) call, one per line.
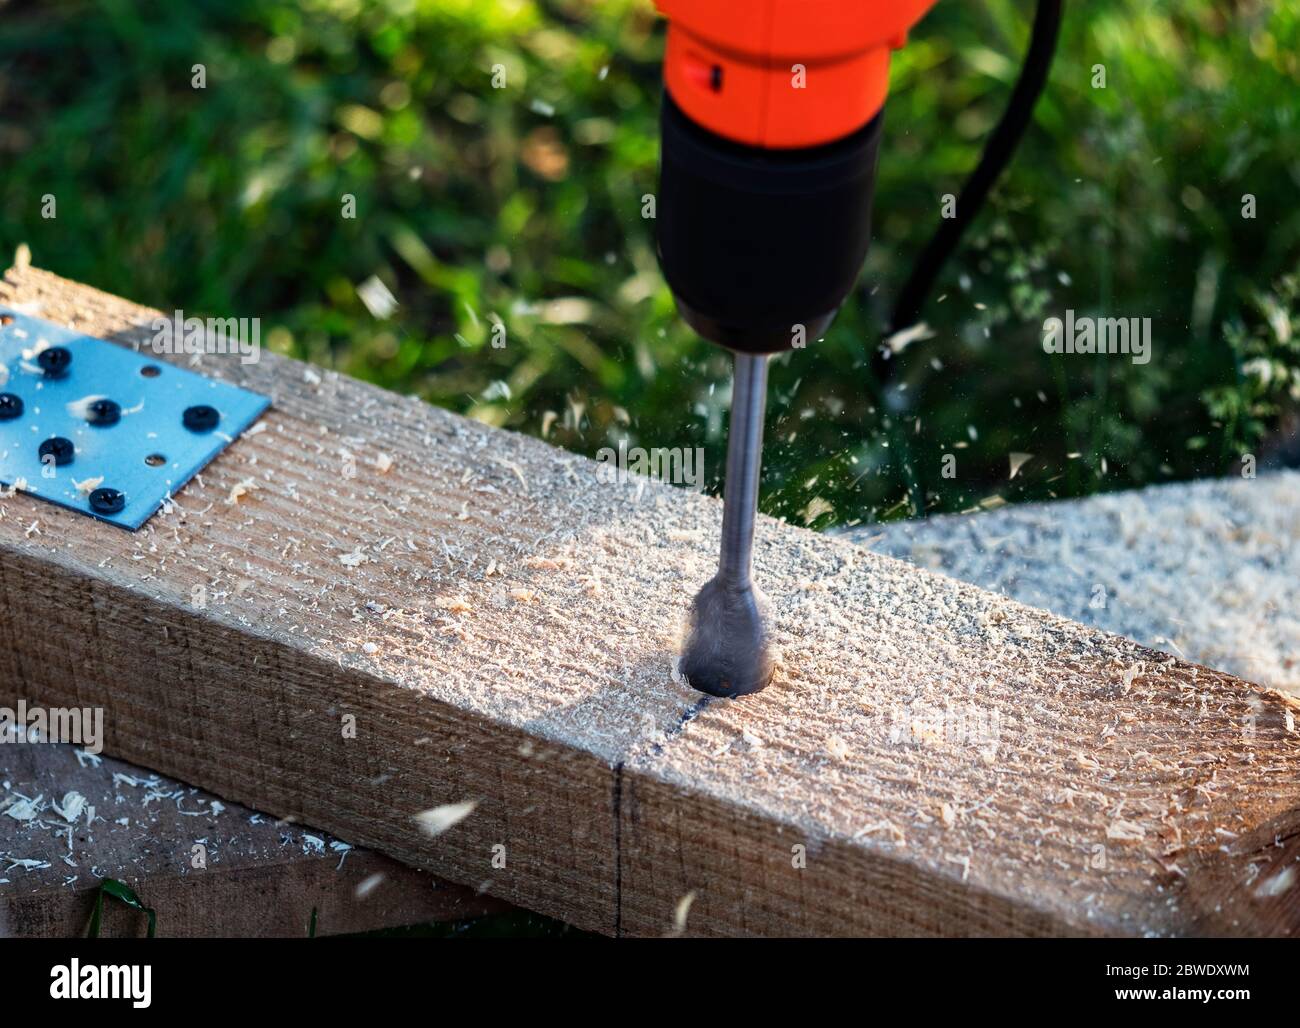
point(931, 759)
point(1207, 570)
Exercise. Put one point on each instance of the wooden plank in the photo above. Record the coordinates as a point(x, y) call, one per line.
point(932, 758)
point(258, 877)
point(1208, 571)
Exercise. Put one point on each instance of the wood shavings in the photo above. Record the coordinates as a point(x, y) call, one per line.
point(383, 463)
point(902, 339)
point(24, 809)
point(241, 489)
point(354, 559)
point(512, 466)
point(435, 821)
point(1277, 884)
point(549, 563)
point(1210, 569)
point(680, 914)
point(71, 808)
point(27, 864)
point(1129, 676)
point(814, 509)
point(1125, 831)
point(887, 827)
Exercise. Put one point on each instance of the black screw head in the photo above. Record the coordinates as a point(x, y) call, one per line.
point(55, 361)
point(11, 406)
point(59, 448)
point(200, 418)
point(104, 412)
point(107, 501)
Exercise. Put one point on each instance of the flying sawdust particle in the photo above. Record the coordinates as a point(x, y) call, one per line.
point(435, 821)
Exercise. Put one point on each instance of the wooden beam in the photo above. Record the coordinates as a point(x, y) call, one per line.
point(254, 876)
point(502, 626)
point(1208, 571)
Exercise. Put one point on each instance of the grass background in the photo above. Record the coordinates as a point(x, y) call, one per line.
point(523, 205)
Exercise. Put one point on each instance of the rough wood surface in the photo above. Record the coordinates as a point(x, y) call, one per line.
point(82, 818)
point(1208, 571)
point(931, 758)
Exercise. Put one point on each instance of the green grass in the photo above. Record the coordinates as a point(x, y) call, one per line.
point(473, 205)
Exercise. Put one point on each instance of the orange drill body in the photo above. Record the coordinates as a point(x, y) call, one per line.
point(783, 74)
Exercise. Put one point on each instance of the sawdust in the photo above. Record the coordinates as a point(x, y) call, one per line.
point(680, 913)
point(241, 489)
point(112, 820)
point(1209, 571)
point(437, 820)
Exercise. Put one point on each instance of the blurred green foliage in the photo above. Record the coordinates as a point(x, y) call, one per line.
point(1267, 356)
point(522, 205)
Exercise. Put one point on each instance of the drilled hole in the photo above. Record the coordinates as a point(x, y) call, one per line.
point(151, 371)
point(155, 460)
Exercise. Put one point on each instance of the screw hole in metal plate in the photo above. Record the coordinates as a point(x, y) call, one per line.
point(73, 407)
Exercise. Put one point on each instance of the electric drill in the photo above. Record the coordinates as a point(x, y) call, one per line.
point(771, 123)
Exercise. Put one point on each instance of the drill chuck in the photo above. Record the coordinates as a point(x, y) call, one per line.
point(761, 247)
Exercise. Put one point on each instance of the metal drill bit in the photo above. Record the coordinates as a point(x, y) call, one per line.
point(728, 648)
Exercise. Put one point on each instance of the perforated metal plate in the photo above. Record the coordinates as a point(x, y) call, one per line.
point(142, 458)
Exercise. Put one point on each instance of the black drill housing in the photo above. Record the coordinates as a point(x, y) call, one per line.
point(755, 242)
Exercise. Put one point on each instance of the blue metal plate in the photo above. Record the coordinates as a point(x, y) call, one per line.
point(142, 458)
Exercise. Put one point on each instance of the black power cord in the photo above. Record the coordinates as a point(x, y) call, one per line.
point(997, 154)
